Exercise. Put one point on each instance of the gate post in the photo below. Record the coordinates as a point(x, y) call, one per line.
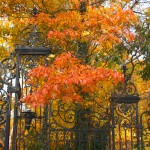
point(25, 51)
point(33, 45)
point(125, 122)
point(125, 116)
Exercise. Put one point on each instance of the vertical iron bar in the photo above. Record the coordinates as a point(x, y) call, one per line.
point(72, 140)
point(125, 132)
point(109, 137)
point(120, 139)
point(65, 144)
point(50, 115)
point(113, 125)
point(57, 139)
point(137, 126)
point(131, 137)
point(79, 139)
point(87, 141)
point(141, 132)
point(45, 127)
point(49, 119)
point(7, 127)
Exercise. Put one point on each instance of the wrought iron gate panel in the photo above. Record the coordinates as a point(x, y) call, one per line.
point(72, 126)
point(26, 63)
point(66, 126)
point(144, 129)
point(125, 121)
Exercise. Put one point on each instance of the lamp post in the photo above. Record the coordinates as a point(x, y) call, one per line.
point(28, 116)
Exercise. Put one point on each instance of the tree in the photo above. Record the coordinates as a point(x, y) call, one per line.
point(107, 34)
point(111, 33)
point(69, 24)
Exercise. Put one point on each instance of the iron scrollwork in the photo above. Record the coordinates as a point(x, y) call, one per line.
point(145, 130)
point(31, 37)
point(7, 76)
point(81, 127)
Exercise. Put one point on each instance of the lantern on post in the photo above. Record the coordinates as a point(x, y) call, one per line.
point(28, 116)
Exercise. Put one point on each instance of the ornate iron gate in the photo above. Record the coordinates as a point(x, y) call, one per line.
point(63, 126)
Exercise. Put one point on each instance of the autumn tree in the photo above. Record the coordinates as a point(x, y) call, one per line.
point(107, 31)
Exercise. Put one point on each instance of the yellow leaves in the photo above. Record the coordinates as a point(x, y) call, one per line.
point(51, 56)
point(143, 87)
point(5, 38)
point(74, 4)
point(107, 45)
point(148, 15)
point(3, 52)
point(127, 1)
point(121, 1)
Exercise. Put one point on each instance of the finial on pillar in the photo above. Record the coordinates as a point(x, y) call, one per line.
point(124, 68)
point(35, 11)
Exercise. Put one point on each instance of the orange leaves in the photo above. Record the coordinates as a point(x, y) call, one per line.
point(110, 22)
point(68, 80)
point(67, 34)
point(105, 24)
point(65, 60)
point(66, 26)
